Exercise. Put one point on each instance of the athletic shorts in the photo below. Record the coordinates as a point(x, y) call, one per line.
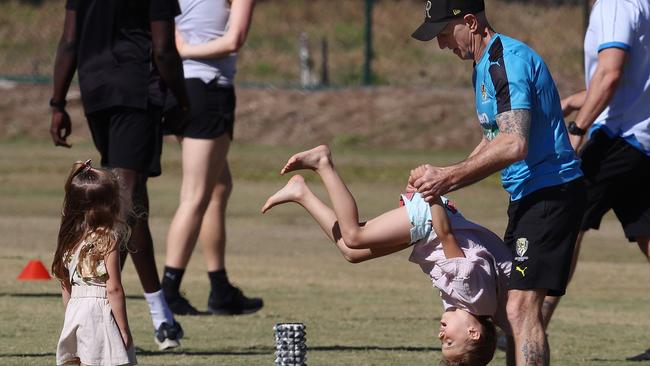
point(212, 111)
point(617, 177)
point(419, 212)
point(541, 234)
point(128, 138)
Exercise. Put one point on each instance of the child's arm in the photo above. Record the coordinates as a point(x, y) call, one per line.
point(362, 255)
point(442, 227)
point(66, 289)
point(439, 220)
point(115, 294)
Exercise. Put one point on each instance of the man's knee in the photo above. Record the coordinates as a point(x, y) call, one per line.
point(523, 306)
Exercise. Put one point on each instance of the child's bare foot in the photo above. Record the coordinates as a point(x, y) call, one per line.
point(315, 158)
point(291, 192)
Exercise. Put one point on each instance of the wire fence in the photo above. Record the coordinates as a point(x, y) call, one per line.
point(327, 37)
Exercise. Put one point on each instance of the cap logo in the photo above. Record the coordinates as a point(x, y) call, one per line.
point(456, 11)
point(427, 8)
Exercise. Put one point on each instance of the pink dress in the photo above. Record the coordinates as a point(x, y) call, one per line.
point(477, 283)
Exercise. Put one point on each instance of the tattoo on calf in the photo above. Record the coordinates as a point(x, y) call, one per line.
point(516, 121)
point(533, 355)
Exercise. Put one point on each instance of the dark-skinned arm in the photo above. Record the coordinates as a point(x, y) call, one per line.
point(168, 60)
point(65, 65)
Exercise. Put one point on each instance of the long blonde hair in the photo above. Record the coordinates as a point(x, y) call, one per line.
point(91, 213)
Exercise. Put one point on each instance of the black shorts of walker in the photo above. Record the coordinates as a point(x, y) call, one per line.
point(541, 234)
point(212, 111)
point(128, 138)
point(618, 177)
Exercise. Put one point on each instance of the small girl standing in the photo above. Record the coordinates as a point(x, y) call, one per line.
point(95, 330)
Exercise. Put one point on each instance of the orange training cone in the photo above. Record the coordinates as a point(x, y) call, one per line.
point(34, 270)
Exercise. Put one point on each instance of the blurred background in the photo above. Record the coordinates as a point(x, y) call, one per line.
point(304, 63)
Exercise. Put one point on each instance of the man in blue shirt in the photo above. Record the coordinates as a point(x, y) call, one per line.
point(615, 106)
point(524, 136)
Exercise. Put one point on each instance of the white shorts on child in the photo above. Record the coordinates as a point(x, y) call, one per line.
point(90, 334)
point(419, 212)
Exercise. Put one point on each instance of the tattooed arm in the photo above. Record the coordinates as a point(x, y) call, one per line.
point(509, 146)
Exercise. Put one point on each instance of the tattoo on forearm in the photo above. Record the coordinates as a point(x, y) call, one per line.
point(516, 121)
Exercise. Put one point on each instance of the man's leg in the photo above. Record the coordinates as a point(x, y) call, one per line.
point(644, 245)
point(135, 211)
point(524, 310)
point(551, 302)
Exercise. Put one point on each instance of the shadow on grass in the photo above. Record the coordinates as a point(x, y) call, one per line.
point(255, 351)
point(54, 294)
point(251, 351)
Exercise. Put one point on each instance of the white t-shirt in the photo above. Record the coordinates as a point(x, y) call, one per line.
point(202, 21)
point(476, 283)
point(623, 24)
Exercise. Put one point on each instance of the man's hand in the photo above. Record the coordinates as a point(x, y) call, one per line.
point(430, 181)
point(60, 128)
point(576, 141)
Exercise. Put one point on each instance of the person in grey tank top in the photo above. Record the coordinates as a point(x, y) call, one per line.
point(209, 34)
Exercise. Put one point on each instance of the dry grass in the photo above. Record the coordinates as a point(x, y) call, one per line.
point(379, 313)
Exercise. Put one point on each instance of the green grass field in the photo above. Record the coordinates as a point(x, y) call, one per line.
point(380, 313)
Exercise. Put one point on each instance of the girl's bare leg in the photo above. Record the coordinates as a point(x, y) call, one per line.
point(296, 190)
point(387, 230)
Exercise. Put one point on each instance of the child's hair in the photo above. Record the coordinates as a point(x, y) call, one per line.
point(91, 212)
point(481, 351)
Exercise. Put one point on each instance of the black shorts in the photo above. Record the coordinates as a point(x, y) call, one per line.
point(618, 178)
point(542, 230)
point(128, 138)
point(212, 111)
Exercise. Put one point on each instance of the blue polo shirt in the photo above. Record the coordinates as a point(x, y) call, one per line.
point(510, 75)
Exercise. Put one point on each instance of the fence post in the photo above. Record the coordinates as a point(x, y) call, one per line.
point(367, 67)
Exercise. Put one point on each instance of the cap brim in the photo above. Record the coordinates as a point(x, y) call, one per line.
point(428, 31)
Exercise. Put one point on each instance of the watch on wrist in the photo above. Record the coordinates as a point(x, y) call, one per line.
point(575, 130)
point(60, 105)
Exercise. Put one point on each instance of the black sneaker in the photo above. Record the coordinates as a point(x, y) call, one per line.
point(233, 303)
point(168, 336)
point(181, 306)
point(645, 356)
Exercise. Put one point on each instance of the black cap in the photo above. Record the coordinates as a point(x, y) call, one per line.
point(437, 13)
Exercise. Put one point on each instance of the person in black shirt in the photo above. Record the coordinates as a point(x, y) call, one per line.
point(126, 58)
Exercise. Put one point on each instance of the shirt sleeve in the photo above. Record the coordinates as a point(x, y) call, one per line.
point(617, 22)
point(72, 4)
point(163, 9)
point(512, 80)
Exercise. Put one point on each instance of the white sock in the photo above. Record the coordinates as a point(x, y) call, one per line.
point(158, 309)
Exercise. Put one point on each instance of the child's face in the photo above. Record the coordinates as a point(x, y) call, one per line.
point(457, 328)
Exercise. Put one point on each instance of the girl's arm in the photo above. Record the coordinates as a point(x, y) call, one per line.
point(442, 227)
point(115, 294)
point(439, 218)
point(241, 13)
point(66, 289)
point(362, 255)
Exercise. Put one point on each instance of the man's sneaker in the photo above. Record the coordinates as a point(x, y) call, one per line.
point(168, 336)
point(645, 356)
point(233, 303)
point(181, 306)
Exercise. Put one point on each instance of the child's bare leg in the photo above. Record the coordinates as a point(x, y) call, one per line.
point(296, 190)
point(387, 230)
